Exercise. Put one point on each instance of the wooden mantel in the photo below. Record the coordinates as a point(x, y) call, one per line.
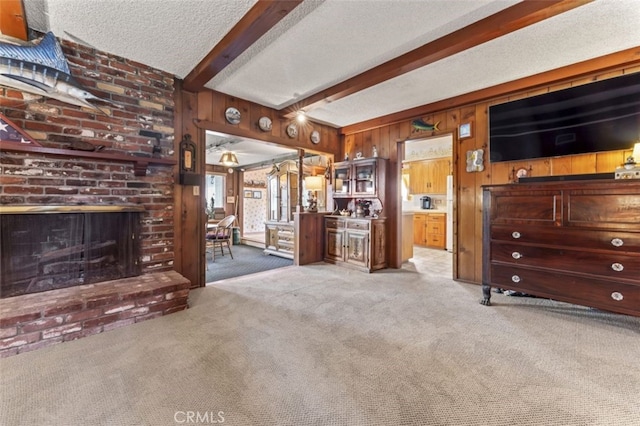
point(140, 164)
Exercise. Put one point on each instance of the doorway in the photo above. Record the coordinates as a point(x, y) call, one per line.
point(427, 200)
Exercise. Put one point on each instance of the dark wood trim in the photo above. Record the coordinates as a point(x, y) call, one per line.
point(504, 22)
point(140, 164)
point(625, 58)
point(257, 21)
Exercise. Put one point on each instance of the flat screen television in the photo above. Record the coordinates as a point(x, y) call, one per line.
point(594, 117)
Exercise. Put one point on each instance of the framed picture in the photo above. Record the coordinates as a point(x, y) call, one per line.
point(248, 194)
point(464, 131)
point(257, 194)
point(475, 162)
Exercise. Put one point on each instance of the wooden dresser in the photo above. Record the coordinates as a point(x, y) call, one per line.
point(279, 239)
point(574, 241)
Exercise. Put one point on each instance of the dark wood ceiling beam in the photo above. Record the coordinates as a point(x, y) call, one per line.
point(504, 22)
point(623, 59)
point(253, 25)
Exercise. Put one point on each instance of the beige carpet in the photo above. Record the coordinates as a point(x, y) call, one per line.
point(324, 345)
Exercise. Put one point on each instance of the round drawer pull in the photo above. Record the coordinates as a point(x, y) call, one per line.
point(617, 242)
point(515, 279)
point(617, 296)
point(516, 255)
point(618, 267)
point(515, 234)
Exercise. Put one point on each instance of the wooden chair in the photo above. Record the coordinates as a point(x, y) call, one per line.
point(221, 234)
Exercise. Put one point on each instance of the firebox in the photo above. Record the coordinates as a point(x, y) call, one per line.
point(50, 247)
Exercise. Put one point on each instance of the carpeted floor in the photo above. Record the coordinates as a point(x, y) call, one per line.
point(325, 345)
point(246, 260)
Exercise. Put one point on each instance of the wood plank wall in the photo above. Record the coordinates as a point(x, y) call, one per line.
point(467, 186)
point(198, 112)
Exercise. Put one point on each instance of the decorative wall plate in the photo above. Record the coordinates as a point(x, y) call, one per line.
point(265, 124)
point(292, 130)
point(232, 115)
point(315, 137)
point(522, 172)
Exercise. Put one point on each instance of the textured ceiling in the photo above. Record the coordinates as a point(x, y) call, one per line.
point(322, 43)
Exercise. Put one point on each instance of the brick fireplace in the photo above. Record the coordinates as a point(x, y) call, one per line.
point(38, 320)
point(46, 248)
point(132, 171)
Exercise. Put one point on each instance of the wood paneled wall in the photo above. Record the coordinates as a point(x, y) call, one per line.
point(198, 112)
point(467, 186)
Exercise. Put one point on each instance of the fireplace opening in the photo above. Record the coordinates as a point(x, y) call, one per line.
point(42, 251)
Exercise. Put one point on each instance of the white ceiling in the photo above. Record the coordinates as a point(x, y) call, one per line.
point(250, 153)
point(324, 42)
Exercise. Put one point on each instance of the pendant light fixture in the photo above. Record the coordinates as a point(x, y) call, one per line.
point(229, 159)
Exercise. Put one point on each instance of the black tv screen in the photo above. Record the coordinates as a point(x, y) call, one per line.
point(594, 117)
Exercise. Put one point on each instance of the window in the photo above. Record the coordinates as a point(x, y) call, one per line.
point(215, 196)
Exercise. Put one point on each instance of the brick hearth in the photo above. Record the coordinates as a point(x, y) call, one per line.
point(38, 320)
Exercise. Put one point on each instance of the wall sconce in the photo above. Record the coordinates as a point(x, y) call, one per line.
point(187, 168)
point(229, 159)
point(313, 184)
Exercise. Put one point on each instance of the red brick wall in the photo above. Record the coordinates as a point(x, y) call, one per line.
point(38, 320)
point(146, 99)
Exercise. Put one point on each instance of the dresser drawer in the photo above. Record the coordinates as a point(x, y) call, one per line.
point(358, 224)
point(614, 207)
point(534, 207)
point(603, 264)
point(605, 294)
point(334, 222)
point(617, 241)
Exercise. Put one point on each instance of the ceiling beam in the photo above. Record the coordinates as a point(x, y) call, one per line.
point(253, 25)
point(628, 58)
point(504, 22)
point(13, 22)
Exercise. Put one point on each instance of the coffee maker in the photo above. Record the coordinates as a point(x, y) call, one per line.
point(425, 202)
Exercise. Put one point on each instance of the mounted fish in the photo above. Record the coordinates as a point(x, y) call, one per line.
point(420, 124)
point(42, 69)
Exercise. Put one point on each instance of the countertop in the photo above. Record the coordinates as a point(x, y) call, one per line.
point(423, 211)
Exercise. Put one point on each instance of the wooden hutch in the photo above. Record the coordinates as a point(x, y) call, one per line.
point(358, 239)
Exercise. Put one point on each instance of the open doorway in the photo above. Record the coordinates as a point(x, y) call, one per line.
point(266, 178)
point(427, 200)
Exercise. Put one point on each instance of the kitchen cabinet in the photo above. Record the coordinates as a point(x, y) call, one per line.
point(420, 229)
point(573, 241)
point(429, 176)
point(429, 229)
point(407, 236)
point(355, 242)
point(359, 178)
